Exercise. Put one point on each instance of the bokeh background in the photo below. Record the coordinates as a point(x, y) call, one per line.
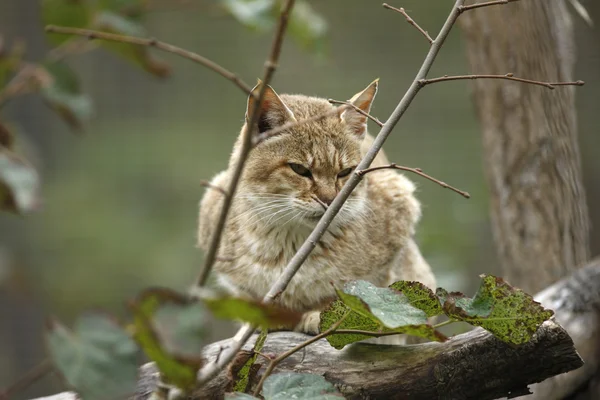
point(120, 201)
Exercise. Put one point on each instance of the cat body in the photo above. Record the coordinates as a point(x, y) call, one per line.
point(288, 182)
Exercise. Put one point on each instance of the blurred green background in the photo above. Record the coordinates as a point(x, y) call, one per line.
point(120, 202)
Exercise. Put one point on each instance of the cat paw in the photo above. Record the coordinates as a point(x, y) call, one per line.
point(309, 323)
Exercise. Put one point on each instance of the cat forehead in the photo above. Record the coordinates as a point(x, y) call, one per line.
point(304, 107)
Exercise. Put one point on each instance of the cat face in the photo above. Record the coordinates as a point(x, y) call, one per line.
point(292, 178)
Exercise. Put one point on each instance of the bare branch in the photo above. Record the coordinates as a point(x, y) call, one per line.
point(150, 42)
point(417, 171)
point(209, 371)
point(33, 375)
point(462, 9)
point(358, 110)
point(247, 134)
point(257, 139)
point(509, 76)
point(410, 21)
point(295, 349)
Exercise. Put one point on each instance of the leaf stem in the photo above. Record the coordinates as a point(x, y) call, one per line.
point(448, 322)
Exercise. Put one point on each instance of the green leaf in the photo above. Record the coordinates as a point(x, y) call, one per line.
point(172, 331)
point(508, 313)
point(128, 8)
point(254, 14)
point(19, 183)
point(63, 94)
point(73, 13)
point(307, 27)
point(254, 312)
point(107, 21)
point(292, 385)
point(373, 309)
point(419, 296)
point(98, 359)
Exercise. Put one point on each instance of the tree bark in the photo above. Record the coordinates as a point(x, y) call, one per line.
point(539, 215)
point(474, 365)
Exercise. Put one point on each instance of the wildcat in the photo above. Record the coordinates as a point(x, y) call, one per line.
point(288, 182)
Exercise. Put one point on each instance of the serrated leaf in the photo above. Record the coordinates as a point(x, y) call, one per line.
point(19, 183)
point(62, 93)
point(98, 359)
point(254, 312)
point(254, 14)
point(373, 309)
point(391, 308)
point(419, 296)
point(307, 27)
point(107, 21)
point(290, 385)
point(508, 313)
point(172, 331)
point(73, 13)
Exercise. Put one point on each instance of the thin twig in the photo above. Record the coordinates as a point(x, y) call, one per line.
point(209, 185)
point(410, 21)
point(150, 42)
point(26, 380)
point(462, 9)
point(247, 134)
point(417, 171)
point(358, 110)
point(509, 76)
point(295, 349)
point(257, 139)
point(209, 371)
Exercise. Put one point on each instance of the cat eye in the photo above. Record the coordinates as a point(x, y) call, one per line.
point(345, 172)
point(300, 170)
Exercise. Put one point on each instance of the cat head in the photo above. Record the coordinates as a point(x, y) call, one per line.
point(294, 176)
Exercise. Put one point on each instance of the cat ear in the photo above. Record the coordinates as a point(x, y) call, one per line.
point(357, 122)
point(273, 111)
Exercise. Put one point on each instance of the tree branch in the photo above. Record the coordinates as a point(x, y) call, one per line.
point(417, 171)
point(150, 42)
point(462, 9)
point(509, 76)
point(212, 369)
point(424, 371)
point(247, 134)
point(410, 21)
point(29, 378)
point(358, 110)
